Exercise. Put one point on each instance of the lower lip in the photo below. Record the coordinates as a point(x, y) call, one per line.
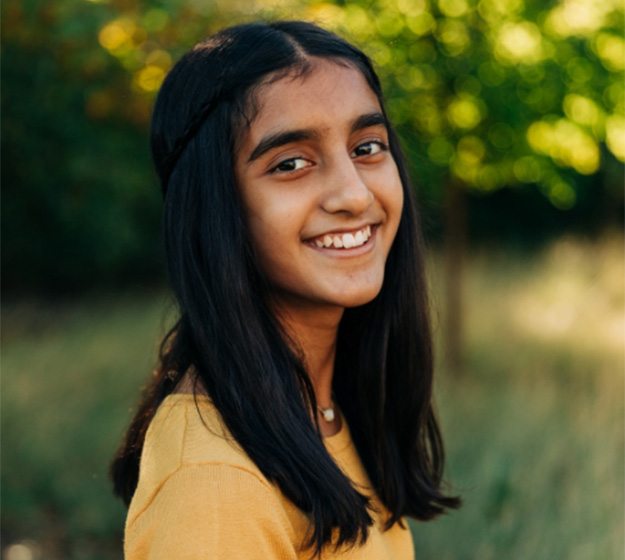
point(352, 252)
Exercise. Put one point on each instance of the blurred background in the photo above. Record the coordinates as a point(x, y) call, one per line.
point(512, 115)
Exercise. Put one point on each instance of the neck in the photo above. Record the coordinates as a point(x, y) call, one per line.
point(315, 330)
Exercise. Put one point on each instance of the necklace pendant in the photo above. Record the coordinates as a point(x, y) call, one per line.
point(328, 414)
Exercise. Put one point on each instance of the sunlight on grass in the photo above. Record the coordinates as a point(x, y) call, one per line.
point(535, 426)
point(578, 299)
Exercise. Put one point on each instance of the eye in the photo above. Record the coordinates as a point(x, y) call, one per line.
point(369, 148)
point(290, 165)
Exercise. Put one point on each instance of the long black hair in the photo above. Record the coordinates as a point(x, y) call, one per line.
point(227, 334)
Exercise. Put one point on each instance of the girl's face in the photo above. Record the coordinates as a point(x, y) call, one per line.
point(321, 191)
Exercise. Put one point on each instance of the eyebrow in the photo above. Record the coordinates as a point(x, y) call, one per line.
point(278, 139)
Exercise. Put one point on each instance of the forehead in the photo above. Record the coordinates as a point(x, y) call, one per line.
point(330, 94)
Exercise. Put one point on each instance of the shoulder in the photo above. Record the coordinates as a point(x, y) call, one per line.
point(187, 436)
point(213, 511)
point(198, 489)
point(188, 430)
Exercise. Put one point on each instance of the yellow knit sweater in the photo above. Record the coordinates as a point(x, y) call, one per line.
point(200, 497)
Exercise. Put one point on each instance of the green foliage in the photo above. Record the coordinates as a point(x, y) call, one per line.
point(497, 94)
point(534, 431)
point(488, 94)
point(79, 203)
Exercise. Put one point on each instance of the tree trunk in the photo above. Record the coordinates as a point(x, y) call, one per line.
point(455, 246)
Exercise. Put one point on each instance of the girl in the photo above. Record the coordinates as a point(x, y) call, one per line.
point(291, 415)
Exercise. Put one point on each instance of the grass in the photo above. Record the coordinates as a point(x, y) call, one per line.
point(534, 427)
point(71, 373)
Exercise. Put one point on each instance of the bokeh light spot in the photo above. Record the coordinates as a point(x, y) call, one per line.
point(358, 22)
point(155, 20)
point(27, 550)
point(412, 79)
point(453, 8)
point(411, 7)
point(527, 169)
point(454, 36)
point(561, 195)
point(421, 24)
point(582, 110)
point(426, 115)
point(150, 78)
point(579, 70)
point(494, 10)
point(464, 112)
point(488, 178)
point(327, 15)
point(116, 34)
point(566, 143)
point(615, 135)
point(466, 164)
point(159, 58)
point(611, 51)
point(389, 24)
point(519, 42)
point(440, 151)
point(614, 96)
point(471, 150)
point(576, 17)
point(380, 52)
point(121, 37)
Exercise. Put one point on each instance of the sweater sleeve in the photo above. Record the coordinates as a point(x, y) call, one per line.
point(212, 511)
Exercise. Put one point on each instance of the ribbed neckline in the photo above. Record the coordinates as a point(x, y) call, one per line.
point(334, 443)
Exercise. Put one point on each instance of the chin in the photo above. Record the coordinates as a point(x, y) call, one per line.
point(362, 297)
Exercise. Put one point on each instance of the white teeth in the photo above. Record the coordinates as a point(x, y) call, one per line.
point(348, 240)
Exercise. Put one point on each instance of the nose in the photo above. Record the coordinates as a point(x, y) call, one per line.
point(347, 189)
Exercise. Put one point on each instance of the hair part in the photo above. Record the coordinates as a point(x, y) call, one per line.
point(383, 371)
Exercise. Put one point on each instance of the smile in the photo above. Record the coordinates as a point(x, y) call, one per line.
point(347, 240)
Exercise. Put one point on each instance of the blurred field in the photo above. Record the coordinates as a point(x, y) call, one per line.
point(534, 428)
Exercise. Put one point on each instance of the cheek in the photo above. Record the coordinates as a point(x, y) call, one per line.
point(392, 197)
point(393, 202)
point(264, 236)
point(275, 239)
point(274, 225)
point(398, 198)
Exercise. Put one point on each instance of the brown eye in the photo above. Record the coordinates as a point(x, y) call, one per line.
point(290, 165)
point(369, 148)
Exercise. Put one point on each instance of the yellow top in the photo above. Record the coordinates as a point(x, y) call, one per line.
point(200, 497)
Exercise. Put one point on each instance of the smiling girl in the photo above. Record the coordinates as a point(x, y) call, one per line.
point(291, 414)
